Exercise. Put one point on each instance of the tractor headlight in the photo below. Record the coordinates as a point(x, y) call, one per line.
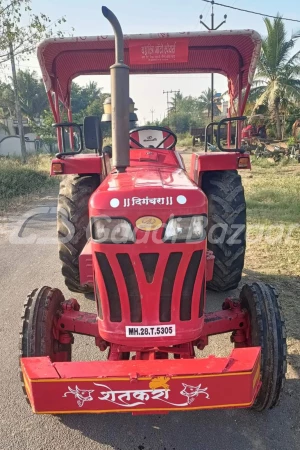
point(186, 229)
point(107, 230)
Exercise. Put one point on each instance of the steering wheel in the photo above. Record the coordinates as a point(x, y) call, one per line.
point(149, 127)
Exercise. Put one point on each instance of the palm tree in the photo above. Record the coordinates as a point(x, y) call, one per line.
point(205, 99)
point(277, 81)
point(175, 102)
point(33, 99)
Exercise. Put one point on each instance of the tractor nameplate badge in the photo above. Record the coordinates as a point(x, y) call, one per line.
point(152, 331)
point(148, 223)
point(147, 201)
point(155, 51)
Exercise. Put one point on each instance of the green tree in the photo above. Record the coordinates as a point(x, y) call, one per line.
point(7, 101)
point(82, 97)
point(45, 130)
point(277, 82)
point(205, 99)
point(86, 101)
point(33, 98)
point(184, 113)
point(17, 40)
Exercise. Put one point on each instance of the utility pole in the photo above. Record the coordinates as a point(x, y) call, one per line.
point(212, 28)
point(152, 112)
point(17, 102)
point(170, 92)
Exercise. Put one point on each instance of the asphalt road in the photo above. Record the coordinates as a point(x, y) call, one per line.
point(30, 260)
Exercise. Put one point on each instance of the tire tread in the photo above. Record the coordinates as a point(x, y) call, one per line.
point(226, 206)
point(72, 216)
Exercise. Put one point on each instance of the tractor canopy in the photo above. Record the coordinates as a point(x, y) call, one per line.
point(231, 53)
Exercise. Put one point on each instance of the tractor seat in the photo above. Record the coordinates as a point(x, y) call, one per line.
point(150, 139)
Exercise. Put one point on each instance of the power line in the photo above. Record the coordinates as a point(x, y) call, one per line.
point(212, 28)
point(249, 12)
point(7, 6)
point(168, 109)
point(152, 112)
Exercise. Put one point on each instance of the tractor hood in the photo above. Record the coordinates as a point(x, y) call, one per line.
point(144, 190)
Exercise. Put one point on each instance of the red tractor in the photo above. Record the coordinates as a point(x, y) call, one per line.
point(158, 237)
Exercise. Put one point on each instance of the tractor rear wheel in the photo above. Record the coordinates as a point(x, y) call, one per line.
point(226, 227)
point(41, 308)
point(267, 330)
point(72, 223)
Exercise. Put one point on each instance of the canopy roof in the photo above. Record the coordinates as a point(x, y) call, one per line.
point(226, 52)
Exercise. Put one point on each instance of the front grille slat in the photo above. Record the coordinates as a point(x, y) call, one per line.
point(166, 292)
point(202, 298)
point(132, 287)
point(111, 287)
point(149, 262)
point(98, 301)
point(188, 286)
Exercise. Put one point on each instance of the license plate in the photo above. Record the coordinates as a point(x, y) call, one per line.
point(154, 331)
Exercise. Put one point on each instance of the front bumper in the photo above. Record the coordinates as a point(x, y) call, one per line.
point(152, 386)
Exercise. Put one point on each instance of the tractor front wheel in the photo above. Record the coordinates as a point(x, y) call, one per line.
point(41, 308)
point(226, 230)
point(267, 330)
point(72, 225)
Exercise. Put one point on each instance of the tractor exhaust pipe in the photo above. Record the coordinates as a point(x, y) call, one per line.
point(119, 74)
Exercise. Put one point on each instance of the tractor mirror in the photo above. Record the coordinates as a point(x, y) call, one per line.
point(92, 133)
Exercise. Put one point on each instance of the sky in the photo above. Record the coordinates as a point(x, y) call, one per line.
point(140, 16)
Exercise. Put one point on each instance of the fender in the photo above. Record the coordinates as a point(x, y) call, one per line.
point(207, 162)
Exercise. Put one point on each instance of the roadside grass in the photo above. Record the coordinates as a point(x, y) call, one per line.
point(273, 219)
point(184, 140)
point(19, 180)
point(273, 239)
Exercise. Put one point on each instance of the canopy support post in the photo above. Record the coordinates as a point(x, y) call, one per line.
point(229, 115)
point(71, 136)
point(58, 130)
point(239, 123)
point(229, 125)
point(246, 95)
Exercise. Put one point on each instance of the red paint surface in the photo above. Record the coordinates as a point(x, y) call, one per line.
point(84, 163)
point(210, 261)
point(78, 322)
point(86, 265)
point(88, 163)
point(205, 162)
point(221, 382)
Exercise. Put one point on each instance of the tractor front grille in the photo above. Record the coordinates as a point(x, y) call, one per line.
point(132, 287)
point(111, 288)
point(156, 292)
point(166, 292)
point(188, 286)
